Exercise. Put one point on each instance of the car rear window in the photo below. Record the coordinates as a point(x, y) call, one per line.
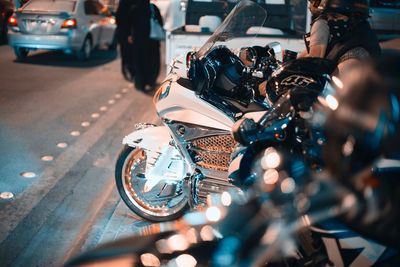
point(50, 5)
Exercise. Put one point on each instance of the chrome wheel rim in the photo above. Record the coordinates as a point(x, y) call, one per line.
point(152, 202)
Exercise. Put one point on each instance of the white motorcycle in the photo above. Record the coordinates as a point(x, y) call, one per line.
point(163, 170)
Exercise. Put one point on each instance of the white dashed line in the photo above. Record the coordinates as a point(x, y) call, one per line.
point(117, 96)
point(75, 133)
point(28, 174)
point(62, 145)
point(103, 108)
point(95, 115)
point(85, 124)
point(111, 101)
point(47, 158)
point(125, 90)
point(6, 195)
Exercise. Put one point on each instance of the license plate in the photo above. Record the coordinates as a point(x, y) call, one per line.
point(36, 25)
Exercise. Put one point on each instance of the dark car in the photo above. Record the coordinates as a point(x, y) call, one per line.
point(6, 10)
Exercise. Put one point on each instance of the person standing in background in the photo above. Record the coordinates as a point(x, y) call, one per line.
point(6, 10)
point(140, 38)
point(124, 29)
point(154, 47)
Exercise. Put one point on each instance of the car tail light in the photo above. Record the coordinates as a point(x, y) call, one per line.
point(69, 24)
point(12, 21)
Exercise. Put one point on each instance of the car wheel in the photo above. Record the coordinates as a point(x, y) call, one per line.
point(114, 42)
point(21, 53)
point(86, 50)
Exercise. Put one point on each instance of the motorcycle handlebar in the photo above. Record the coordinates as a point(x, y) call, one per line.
point(246, 131)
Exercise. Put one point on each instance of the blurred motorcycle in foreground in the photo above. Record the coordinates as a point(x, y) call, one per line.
point(346, 215)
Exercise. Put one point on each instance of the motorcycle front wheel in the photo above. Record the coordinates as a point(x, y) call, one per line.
point(163, 202)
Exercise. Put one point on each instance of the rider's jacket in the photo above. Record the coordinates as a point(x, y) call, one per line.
point(351, 38)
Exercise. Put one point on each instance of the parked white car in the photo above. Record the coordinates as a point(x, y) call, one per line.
point(72, 26)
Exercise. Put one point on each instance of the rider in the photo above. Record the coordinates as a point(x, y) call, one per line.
point(340, 32)
point(361, 129)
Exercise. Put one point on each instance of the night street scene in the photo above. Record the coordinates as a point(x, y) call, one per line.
point(183, 133)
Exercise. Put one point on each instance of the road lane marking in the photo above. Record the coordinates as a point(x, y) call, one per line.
point(6, 195)
point(28, 174)
point(15, 211)
point(75, 133)
point(62, 145)
point(47, 158)
point(111, 101)
point(85, 124)
point(103, 108)
point(95, 115)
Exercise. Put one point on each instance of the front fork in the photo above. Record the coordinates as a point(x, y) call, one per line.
point(165, 163)
point(157, 140)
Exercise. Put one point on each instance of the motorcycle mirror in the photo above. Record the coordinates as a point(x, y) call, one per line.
point(277, 49)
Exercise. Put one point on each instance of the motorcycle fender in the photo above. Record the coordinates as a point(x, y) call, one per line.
point(151, 138)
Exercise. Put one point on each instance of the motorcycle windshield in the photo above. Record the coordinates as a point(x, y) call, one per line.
point(242, 23)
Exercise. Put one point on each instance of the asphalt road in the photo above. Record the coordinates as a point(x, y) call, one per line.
point(61, 126)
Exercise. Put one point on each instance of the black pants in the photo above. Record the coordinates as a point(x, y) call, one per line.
point(140, 63)
point(154, 61)
point(126, 50)
point(146, 62)
point(3, 27)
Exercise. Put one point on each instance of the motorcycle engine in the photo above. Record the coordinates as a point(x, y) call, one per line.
point(212, 154)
